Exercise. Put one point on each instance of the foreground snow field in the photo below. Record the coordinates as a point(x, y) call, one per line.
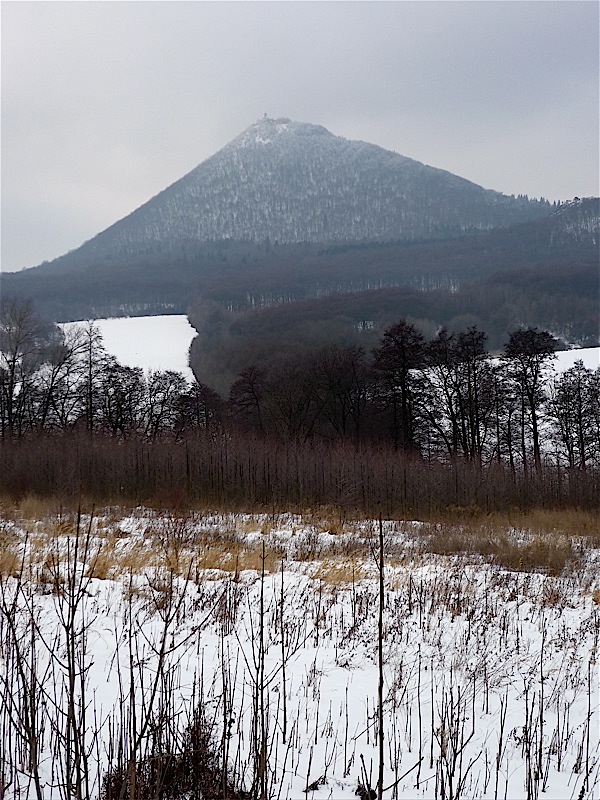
point(490, 675)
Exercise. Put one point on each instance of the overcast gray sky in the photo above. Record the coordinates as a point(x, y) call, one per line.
point(104, 104)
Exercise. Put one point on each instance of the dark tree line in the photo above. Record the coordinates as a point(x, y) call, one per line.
point(561, 297)
point(442, 398)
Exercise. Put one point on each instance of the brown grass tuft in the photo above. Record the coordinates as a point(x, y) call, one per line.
point(544, 554)
point(10, 558)
point(343, 573)
point(520, 552)
point(236, 557)
point(105, 563)
point(137, 558)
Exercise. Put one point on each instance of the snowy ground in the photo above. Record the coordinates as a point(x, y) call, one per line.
point(163, 342)
point(565, 359)
point(491, 676)
point(153, 343)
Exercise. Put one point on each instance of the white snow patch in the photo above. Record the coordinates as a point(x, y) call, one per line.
point(153, 343)
point(565, 359)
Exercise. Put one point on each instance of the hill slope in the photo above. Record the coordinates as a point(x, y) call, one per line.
point(293, 182)
point(288, 182)
point(245, 275)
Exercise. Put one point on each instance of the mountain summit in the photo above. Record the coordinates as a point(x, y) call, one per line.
point(295, 182)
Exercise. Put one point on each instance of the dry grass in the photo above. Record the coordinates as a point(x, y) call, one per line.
point(343, 573)
point(137, 557)
point(571, 522)
point(31, 507)
point(326, 519)
point(404, 561)
point(10, 557)
point(237, 558)
point(105, 563)
point(538, 540)
point(37, 508)
point(332, 526)
point(552, 556)
point(545, 541)
point(522, 551)
point(67, 526)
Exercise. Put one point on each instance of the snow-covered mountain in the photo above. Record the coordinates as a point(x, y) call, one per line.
point(294, 182)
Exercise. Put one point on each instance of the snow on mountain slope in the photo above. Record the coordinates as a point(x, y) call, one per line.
point(292, 182)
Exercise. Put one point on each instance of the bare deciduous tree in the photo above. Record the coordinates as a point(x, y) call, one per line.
point(527, 353)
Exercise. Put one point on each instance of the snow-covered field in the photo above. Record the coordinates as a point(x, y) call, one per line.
point(565, 359)
point(162, 342)
point(490, 675)
point(112, 643)
point(153, 343)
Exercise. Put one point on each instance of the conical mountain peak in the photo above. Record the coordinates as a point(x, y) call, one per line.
point(296, 182)
point(267, 130)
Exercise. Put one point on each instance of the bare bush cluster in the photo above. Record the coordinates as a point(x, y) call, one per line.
point(211, 469)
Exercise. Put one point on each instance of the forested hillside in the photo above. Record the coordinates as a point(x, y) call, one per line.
point(288, 182)
point(544, 272)
point(561, 297)
point(279, 183)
